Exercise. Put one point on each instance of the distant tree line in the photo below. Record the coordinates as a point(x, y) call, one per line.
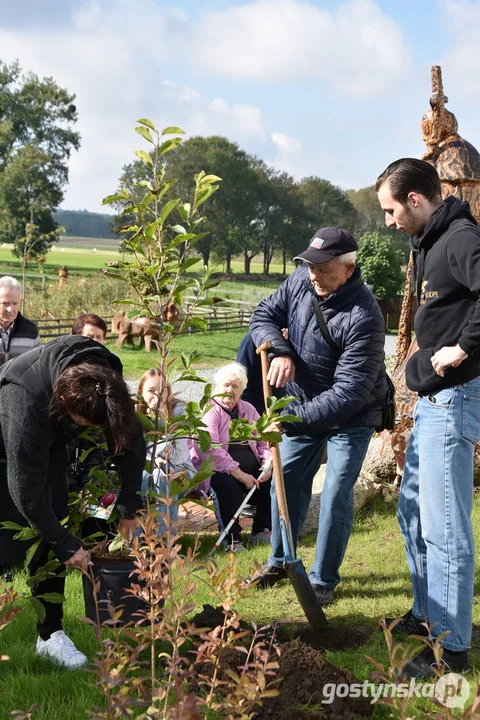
point(260, 212)
point(82, 223)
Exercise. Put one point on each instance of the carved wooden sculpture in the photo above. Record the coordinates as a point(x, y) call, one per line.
point(456, 160)
point(143, 327)
point(62, 276)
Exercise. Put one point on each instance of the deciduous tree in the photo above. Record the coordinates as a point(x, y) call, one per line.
point(381, 264)
point(36, 139)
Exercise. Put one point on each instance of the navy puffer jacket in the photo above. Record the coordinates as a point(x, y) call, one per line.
point(333, 390)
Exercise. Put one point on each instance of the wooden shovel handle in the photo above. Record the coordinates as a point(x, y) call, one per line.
point(276, 461)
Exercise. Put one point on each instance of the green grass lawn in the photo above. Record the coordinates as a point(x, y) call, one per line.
point(375, 583)
point(217, 348)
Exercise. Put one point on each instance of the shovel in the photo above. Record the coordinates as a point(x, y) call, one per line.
point(293, 566)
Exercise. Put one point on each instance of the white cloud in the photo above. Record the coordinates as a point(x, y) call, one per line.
point(117, 77)
point(356, 48)
point(461, 61)
point(286, 145)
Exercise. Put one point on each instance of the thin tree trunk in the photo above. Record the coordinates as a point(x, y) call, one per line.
point(228, 262)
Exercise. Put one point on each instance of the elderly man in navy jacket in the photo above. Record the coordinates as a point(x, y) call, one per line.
point(332, 380)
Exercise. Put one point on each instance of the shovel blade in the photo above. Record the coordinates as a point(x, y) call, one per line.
point(306, 594)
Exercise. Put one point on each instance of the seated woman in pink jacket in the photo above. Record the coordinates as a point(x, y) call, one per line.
point(237, 464)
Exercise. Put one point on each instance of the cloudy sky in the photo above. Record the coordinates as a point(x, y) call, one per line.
point(333, 88)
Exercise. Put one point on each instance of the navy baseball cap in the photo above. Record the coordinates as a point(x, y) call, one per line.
point(327, 244)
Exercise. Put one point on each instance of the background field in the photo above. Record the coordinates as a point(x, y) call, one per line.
point(78, 255)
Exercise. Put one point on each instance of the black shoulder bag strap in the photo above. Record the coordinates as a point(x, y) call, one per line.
point(331, 342)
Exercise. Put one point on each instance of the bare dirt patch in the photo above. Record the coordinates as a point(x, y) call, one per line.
point(303, 670)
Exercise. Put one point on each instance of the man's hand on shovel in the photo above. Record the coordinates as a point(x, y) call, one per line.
point(282, 370)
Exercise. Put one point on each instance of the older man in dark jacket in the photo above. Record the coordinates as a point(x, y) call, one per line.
point(332, 379)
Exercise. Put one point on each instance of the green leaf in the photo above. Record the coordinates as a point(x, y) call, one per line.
point(204, 194)
point(146, 202)
point(26, 534)
point(146, 184)
point(198, 322)
point(207, 466)
point(38, 608)
point(151, 227)
point(178, 240)
point(208, 179)
point(184, 211)
point(145, 133)
point(31, 551)
point(172, 130)
point(148, 123)
point(152, 269)
point(204, 440)
point(289, 418)
point(207, 391)
point(144, 156)
point(146, 422)
point(169, 145)
point(273, 437)
point(86, 453)
point(116, 544)
point(189, 262)
point(52, 597)
point(7, 525)
point(167, 209)
point(114, 198)
point(199, 236)
point(277, 404)
point(165, 187)
point(179, 229)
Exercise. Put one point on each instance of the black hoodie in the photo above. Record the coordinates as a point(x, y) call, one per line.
point(34, 446)
point(448, 290)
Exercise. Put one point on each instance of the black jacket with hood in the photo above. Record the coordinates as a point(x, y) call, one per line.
point(448, 291)
point(33, 456)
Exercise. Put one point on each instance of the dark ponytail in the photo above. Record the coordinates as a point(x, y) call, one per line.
point(99, 395)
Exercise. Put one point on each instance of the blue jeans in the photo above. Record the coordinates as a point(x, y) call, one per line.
point(160, 488)
point(301, 457)
point(434, 510)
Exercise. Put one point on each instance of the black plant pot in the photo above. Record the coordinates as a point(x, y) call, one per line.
point(114, 576)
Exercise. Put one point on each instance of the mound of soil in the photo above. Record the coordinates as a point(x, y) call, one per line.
point(303, 670)
point(303, 673)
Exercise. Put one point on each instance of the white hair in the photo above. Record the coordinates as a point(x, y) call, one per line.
point(348, 258)
point(233, 371)
point(9, 283)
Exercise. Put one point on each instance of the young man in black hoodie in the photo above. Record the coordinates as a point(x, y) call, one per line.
point(435, 501)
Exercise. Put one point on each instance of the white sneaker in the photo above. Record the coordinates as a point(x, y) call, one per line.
point(59, 647)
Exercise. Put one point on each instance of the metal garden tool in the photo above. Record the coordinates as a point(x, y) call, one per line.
point(293, 566)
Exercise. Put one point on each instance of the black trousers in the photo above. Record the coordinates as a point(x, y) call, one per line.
point(230, 494)
point(53, 584)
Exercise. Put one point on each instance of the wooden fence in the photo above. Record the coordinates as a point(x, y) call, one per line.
point(216, 320)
